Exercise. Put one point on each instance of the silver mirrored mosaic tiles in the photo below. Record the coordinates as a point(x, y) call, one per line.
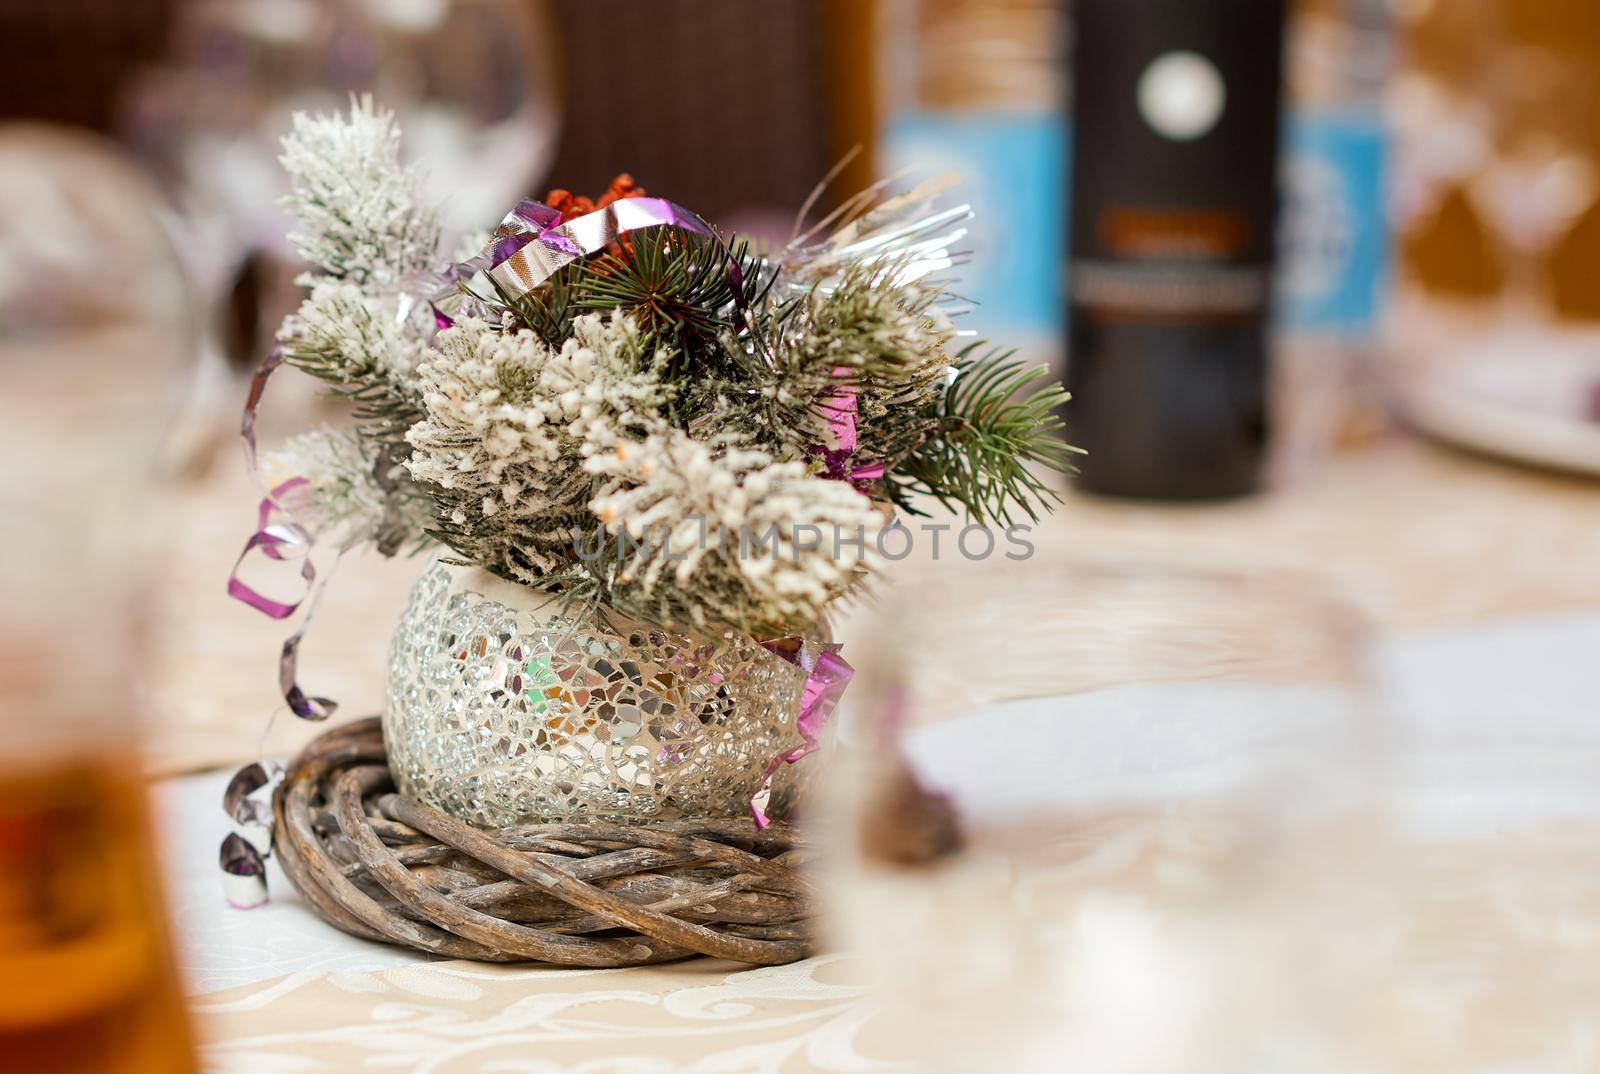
point(499, 711)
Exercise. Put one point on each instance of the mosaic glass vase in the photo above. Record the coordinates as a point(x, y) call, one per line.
point(503, 708)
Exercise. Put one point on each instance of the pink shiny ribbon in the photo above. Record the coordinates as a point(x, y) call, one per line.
point(839, 459)
point(827, 675)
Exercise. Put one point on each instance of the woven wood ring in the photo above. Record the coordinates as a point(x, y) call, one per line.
point(380, 866)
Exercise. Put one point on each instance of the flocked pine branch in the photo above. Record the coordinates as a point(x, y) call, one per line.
point(366, 228)
point(511, 420)
point(749, 541)
point(362, 216)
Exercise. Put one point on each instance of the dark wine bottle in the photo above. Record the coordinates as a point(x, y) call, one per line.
point(1174, 198)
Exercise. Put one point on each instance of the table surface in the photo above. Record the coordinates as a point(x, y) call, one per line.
point(276, 989)
point(1484, 581)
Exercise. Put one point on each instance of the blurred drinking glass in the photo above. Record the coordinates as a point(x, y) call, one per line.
point(473, 83)
point(1133, 756)
point(93, 323)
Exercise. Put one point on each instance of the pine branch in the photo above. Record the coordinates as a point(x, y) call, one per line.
point(549, 309)
point(684, 290)
point(382, 408)
point(993, 427)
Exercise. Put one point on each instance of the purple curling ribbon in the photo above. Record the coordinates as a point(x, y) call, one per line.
point(283, 540)
point(244, 873)
point(248, 797)
point(252, 403)
point(277, 541)
point(827, 675)
point(532, 243)
point(243, 854)
point(303, 705)
point(279, 537)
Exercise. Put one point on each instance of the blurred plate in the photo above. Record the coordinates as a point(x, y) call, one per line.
point(1518, 403)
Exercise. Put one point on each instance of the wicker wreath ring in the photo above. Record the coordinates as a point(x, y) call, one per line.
point(383, 867)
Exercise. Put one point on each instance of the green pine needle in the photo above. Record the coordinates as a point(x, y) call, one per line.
point(995, 428)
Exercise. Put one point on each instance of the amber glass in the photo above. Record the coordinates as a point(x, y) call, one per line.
point(86, 980)
point(92, 331)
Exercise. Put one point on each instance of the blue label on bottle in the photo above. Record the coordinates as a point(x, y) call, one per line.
point(1333, 236)
point(1012, 171)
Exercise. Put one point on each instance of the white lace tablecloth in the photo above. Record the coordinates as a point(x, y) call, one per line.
point(275, 990)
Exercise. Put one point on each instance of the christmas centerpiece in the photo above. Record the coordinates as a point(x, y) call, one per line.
point(647, 460)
